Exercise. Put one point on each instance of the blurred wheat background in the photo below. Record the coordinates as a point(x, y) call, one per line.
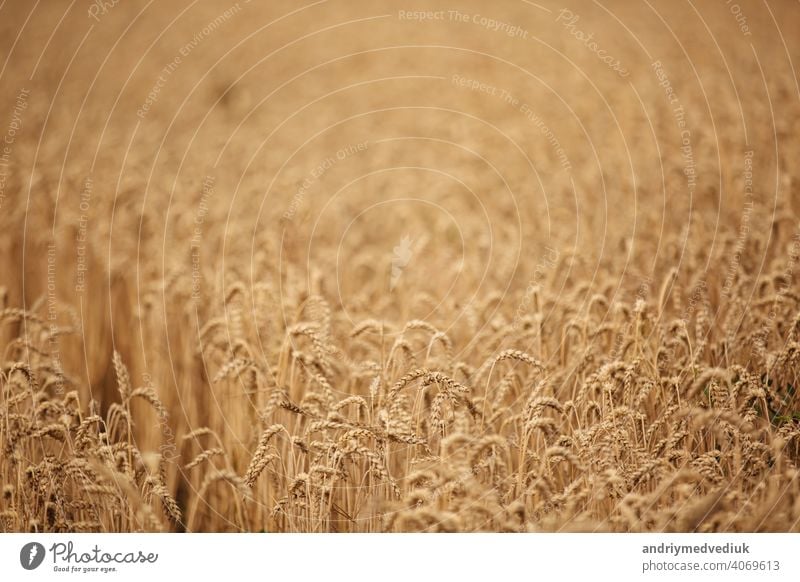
point(367, 266)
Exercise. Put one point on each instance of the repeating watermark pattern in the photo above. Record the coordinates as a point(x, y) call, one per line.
point(152, 95)
point(741, 19)
point(787, 278)
point(569, 21)
point(82, 238)
point(318, 171)
point(549, 135)
point(744, 225)
point(696, 297)
point(170, 68)
point(511, 30)
point(401, 257)
point(524, 108)
point(641, 295)
point(7, 147)
point(168, 448)
point(210, 29)
point(207, 191)
point(687, 153)
point(565, 17)
point(482, 87)
point(100, 8)
point(52, 316)
point(546, 263)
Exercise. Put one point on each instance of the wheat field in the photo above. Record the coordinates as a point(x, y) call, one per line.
point(367, 267)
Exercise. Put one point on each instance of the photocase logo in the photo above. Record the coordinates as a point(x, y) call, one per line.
point(401, 256)
point(31, 555)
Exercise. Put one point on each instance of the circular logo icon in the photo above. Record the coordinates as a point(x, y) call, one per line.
point(31, 555)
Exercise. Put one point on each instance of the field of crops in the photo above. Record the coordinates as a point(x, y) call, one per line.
point(366, 267)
